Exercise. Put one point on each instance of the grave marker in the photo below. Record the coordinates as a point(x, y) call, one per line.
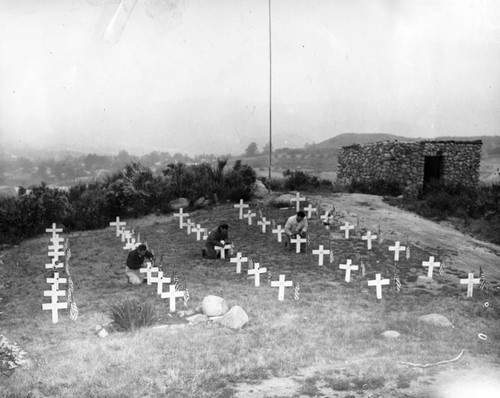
point(172, 295)
point(348, 267)
point(321, 252)
point(181, 216)
point(279, 231)
point(346, 227)
point(241, 206)
point(250, 215)
point(222, 250)
point(431, 264)
point(118, 224)
point(264, 224)
point(159, 279)
point(54, 306)
point(54, 265)
point(369, 237)
point(309, 209)
point(470, 282)
point(378, 283)
point(54, 230)
point(298, 240)
point(281, 284)
point(396, 249)
point(189, 224)
point(297, 199)
point(257, 271)
point(56, 280)
point(238, 260)
point(198, 231)
point(148, 270)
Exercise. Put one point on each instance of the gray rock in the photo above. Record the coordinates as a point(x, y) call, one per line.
point(436, 320)
point(214, 306)
point(259, 190)
point(201, 202)
point(391, 334)
point(176, 204)
point(198, 318)
point(234, 319)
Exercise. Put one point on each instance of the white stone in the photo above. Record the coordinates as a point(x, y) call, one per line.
point(390, 334)
point(436, 319)
point(214, 306)
point(234, 319)
point(259, 190)
point(176, 204)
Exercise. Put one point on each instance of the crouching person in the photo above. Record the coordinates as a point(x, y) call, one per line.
point(135, 260)
point(218, 237)
point(296, 226)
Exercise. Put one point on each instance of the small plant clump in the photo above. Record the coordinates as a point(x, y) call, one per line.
point(130, 315)
point(11, 356)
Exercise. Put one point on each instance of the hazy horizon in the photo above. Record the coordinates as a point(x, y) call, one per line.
point(192, 76)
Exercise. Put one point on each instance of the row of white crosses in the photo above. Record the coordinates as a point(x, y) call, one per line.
point(126, 236)
point(56, 250)
point(256, 271)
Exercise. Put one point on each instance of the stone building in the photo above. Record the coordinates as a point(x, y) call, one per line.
point(413, 164)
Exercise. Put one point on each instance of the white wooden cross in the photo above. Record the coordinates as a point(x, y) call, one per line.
point(118, 224)
point(54, 305)
point(346, 227)
point(148, 270)
point(257, 271)
point(297, 199)
point(249, 215)
point(431, 264)
point(54, 264)
point(55, 254)
point(396, 249)
point(241, 206)
point(348, 267)
point(378, 283)
point(470, 282)
point(222, 250)
point(298, 240)
point(56, 241)
point(172, 294)
point(54, 230)
point(160, 280)
point(189, 224)
point(56, 280)
point(321, 252)
point(238, 260)
point(122, 234)
point(281, 284)
point(369, 237)
point(279, 231)
point(181, 216)
point(264, 224)
point(198, 229)
point(309, 210)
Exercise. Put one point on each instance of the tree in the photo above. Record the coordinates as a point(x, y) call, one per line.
point(251, 150)
point(265, 150)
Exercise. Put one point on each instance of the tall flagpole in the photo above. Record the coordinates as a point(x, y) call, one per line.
point(270, 100)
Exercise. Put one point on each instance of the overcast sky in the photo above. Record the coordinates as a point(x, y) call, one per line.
point(192, 76)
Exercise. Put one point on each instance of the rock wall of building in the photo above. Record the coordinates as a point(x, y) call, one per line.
point(404, 161)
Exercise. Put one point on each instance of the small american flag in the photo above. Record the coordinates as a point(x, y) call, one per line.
point(297, 291)
point(139, 237)
point(407, 248)
point(482, 278)
point(260, 213)
point(73, 308)
point(231, 249)
point(269, 276)
point(331, 255)
point(273, 222)
point(380, 237)
point(397, 282)
point(176, 281)
point(363, 269)
point(358, 230)
point(250, 263)
point(186, 297)
point(441, 268)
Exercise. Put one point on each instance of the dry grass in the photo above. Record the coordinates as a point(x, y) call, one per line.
point(333, 323)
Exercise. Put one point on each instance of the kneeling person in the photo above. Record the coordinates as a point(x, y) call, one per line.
point(296, 226)
point(218, 237)
point(135, 260)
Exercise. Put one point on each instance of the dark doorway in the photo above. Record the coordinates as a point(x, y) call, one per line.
point(433, 169)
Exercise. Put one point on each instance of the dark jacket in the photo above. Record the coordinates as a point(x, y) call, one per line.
point(134, 260)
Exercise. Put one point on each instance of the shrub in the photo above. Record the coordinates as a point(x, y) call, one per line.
point(130, 315)
point(379, 187)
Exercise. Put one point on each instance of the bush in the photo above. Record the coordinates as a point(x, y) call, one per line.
point(300, 181)
point(379, 187)
point(130, 315)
